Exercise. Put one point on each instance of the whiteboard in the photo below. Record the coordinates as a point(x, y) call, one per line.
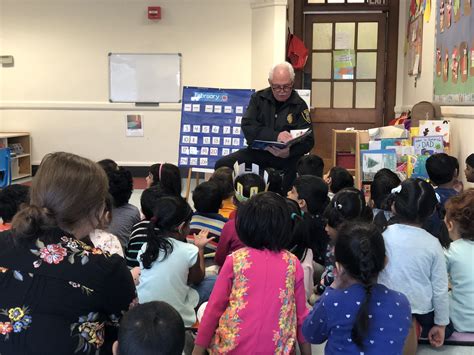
point(144, 78)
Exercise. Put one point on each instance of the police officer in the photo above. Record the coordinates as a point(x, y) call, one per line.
point(271, 114)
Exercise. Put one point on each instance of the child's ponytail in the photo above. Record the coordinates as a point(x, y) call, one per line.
point(169, 213)
point(360, 249)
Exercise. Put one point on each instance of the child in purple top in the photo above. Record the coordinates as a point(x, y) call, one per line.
point(356, 315)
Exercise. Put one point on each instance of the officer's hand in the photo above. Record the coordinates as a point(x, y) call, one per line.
point(284, 137)
point(279, 153)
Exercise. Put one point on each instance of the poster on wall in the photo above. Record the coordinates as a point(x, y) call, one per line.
point(415, 45)
point(210, 125)
point(454, 53)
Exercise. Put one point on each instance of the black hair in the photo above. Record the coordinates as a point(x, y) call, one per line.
point(340, 179)
point(415, 202)
point(348, 204)
point(440, 168)
point(168, 176)
point(120, 186)
point(310, 164)
point(152, 328)
point(223, 178)
point(360, 249)
point(108, 165)
point(314, 191)
point(148, 199)
point(11, 198)
point(455, 162)
point(249, 181)
point(168, 214)
point(381, 194)
point(381, 187)
point(275, 181)
point(207, 197)
point(470, 160)
point(308, 233)
point(263, 222)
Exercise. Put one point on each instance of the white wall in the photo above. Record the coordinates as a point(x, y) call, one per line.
point(58, 88)
point(461, 117)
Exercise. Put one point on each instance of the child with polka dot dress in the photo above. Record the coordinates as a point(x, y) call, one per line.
point(355, 314)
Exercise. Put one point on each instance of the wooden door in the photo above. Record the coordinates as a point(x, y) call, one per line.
point(341, 98)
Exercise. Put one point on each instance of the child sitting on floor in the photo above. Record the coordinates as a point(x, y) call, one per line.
point(380, 193)
point(347, 205)
point(169, 265)
point(416, 264)
point(356, 315)
point(469, 171)
point(311, 194)
point(310, 164)
point(207, 198)
point(459, 258)
point(258, 303)
point(149, 329)
point(139, 230)
point(167, 175)
point(337, 179)
point(124, 215)
point(223, 178)
point(246, 185)
point(11, 198)
point(441, 169)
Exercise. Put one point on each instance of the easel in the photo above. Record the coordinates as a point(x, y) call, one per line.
point(197, 177)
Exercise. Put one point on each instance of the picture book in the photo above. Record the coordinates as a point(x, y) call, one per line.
point(416, 166)
point(435, 128)
point(374, 160)
point(297, 134)
point(428, 145)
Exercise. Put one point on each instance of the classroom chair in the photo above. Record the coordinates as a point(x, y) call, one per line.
point(5, 167)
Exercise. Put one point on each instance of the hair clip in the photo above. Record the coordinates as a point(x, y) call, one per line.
point(295, 215)
point(396, 190)
point(337, 206)
point(159, 171)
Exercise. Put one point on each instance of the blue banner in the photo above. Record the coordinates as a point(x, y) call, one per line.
point(210, 125)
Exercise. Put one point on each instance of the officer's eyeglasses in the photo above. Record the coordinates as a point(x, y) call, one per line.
point(284, 88)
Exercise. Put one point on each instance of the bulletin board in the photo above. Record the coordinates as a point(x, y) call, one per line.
point(210, 125)
point(454, 53)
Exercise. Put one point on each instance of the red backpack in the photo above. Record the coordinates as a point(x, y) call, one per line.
point(297, 52)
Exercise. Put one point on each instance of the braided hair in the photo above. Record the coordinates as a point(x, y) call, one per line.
point(360, 249)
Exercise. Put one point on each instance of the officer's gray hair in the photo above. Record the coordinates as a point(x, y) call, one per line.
point(285, 65)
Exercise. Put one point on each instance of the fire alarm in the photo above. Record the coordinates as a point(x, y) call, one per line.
point(154, 12)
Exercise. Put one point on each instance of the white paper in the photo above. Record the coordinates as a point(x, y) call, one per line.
point(375, 145)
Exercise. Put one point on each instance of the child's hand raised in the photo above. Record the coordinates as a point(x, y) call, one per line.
point(201, 239)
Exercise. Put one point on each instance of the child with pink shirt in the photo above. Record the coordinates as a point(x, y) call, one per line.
point(258, 303)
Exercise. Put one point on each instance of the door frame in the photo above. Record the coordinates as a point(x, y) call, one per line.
point(392, 8)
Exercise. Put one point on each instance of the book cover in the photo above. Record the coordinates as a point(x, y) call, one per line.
point(428, 145)
point(435, 128)
point(298, 134)
point(374, 160)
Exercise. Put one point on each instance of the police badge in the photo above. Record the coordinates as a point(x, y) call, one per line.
point(289, 118)
point(306, 115)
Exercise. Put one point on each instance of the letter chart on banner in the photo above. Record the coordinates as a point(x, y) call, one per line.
point(210, 125)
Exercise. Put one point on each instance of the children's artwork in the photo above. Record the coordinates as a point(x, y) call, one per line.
point(344, 63)
point(435, 128)
point(134, 126)
point(416, 166)
point(415, 42)
point(428, 145)
point(374, 160)
point(454, 53)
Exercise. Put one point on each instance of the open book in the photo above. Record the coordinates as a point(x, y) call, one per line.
point(297, 134)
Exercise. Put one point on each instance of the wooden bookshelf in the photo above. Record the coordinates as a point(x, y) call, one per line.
point(21, 162)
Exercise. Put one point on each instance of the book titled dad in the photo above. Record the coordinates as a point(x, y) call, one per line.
point(428, 145)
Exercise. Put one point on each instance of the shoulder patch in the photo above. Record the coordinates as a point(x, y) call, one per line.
point(306, 115)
